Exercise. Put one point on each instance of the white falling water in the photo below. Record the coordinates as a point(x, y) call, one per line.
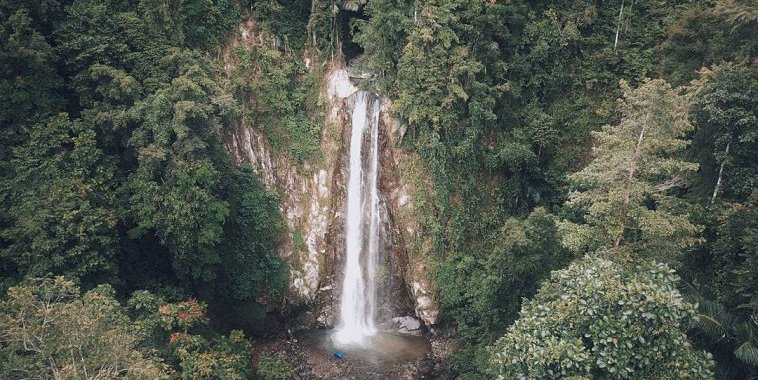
point(358, 301)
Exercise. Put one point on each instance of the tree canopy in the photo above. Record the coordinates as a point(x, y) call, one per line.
point(605, 138)
point(597, 319)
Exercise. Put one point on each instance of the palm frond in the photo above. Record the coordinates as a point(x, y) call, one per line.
point(713, 320)
point(747, 353)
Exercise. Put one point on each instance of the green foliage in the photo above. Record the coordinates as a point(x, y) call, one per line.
point(503, 96)
point(722, 279)
point(427, 95)
point(597, 319)
point(63, 216)
point(50, 330)
point(173, 189)
point(735, 253)
point(273, 85)
point(250, 265)
point(499, 100)
point(707, 33)
point(383, 37)
point(178, 330)
point(135, 184)
point(28, 94)
point(724, 111)
point(729, 336)
point(322, 27)
point(524, 253)
point(286, 19)
point(225, 358)
point(297, 239)
point(626, 190)
point(207, 23)
point(107, 33)
point(29, 80)
point(274, 367)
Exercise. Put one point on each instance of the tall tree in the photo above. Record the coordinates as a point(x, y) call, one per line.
point(625, 193)
point(523, 255)
point(722, 277)
point(29, 87)
point(174, 189)
point(28, 77)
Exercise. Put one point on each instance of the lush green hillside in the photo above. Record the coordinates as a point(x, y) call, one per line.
point(614, 138)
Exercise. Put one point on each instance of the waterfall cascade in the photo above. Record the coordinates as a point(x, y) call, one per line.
point(362, 225)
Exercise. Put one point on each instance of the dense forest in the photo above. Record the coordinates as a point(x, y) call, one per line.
point(594, 169)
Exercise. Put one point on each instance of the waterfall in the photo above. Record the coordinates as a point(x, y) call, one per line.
point(362, 225)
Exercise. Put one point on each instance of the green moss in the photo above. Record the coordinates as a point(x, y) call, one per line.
point(297, 239)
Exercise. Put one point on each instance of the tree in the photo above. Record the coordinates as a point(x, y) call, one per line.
point(251, 266)
point(275, 101)
point(722, 278)
point(63, 220)
point(174, 188)
point(598, 319)
point(49, 330)
point(207, 23)
point(390, 21)
point(523, 253)
point(28, 92)
point(29, 81)
point(179, 331)
point(726, 139)
point(436, 69)
point(274, 367)
point(625, 192)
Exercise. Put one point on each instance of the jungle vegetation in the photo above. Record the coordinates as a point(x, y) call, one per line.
point(589, 160)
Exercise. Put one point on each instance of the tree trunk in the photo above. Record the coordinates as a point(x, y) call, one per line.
point(721, 173)
point(628, 190)
point(309, 27)
point(618, 25)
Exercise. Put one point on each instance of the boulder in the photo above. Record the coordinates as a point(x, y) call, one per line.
point(407, 325)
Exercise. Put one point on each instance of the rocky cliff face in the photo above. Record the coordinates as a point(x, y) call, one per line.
point(313, 203)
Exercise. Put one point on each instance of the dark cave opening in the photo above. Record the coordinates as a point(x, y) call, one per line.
point(347, 20)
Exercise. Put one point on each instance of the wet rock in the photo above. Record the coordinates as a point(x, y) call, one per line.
point(385, 326)
point(326, 318)
point(426, 309)
point(407, 325)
